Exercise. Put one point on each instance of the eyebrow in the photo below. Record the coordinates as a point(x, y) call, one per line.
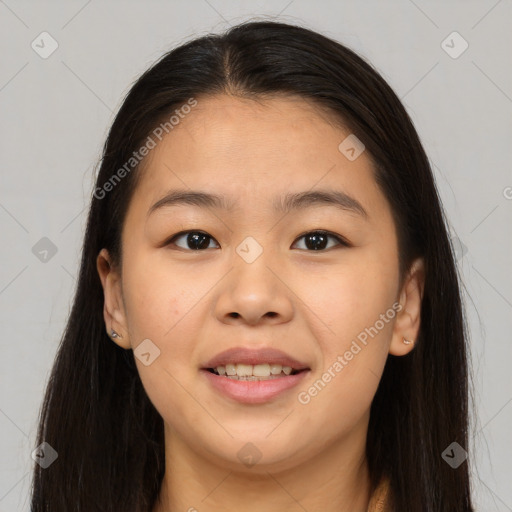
point(284, 204)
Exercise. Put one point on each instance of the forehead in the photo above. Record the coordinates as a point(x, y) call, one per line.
point(230, 126)
point(255, 150)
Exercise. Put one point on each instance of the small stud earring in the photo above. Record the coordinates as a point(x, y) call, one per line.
point(114, 334)
point(407, 342)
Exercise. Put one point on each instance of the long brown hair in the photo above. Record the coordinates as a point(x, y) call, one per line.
point(96, 414)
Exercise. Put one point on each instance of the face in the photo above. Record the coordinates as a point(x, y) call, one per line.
point(317, 281)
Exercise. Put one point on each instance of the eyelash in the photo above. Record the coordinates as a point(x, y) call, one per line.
point(341, 241)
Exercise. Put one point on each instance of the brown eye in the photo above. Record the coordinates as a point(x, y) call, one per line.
point(319, 240)
point(194, 240)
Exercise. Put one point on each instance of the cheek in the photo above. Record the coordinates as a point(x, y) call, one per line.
point(355, 303)
point(157, 300)
point(159, 306)
point(352, 297)
point(352, 353)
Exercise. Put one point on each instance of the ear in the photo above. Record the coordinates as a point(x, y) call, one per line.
point(113, 307)
point(407, 324)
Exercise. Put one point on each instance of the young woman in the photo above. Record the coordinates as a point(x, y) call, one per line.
point(268, 312)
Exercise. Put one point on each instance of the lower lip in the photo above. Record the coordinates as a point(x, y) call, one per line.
point(253, 392)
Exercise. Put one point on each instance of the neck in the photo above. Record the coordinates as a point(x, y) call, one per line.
point(336, 479)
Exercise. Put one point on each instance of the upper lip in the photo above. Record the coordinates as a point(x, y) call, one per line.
point(253, 356)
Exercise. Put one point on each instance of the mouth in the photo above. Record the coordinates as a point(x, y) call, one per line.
point(271, 382)
point(253, 375)
point(257, 372)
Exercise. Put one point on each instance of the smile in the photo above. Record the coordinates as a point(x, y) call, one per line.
point(253, 372)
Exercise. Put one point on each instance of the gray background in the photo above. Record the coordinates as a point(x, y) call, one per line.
point(55, 113)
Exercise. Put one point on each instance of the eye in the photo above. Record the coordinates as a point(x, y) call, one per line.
point(194, 240)
point(318, 240)
point(199, 240)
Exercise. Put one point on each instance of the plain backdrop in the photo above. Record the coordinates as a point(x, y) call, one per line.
point(55, 113)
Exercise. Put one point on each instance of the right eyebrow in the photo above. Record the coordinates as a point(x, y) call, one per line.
point(194, 198)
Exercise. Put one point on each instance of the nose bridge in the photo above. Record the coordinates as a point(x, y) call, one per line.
point(253, 291)
point(251, 272)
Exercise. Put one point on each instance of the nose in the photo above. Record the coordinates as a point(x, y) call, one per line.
point(254, 293)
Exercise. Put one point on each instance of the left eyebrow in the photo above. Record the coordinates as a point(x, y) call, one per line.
point(337, 198)
point(284, 204)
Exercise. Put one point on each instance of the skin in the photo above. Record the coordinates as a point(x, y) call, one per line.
point(312, 455)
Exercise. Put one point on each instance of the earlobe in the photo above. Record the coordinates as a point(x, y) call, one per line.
point(408, 320)
point(113, 307)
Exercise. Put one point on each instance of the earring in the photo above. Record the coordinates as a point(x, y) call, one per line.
point(114, 334)
point(407, 342)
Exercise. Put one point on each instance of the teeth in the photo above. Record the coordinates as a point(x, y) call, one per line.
point(249, 370)
point(244, 370)
point(261, 370)
point(275, 369)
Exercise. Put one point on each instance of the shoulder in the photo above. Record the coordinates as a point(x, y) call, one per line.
point(379, 501)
